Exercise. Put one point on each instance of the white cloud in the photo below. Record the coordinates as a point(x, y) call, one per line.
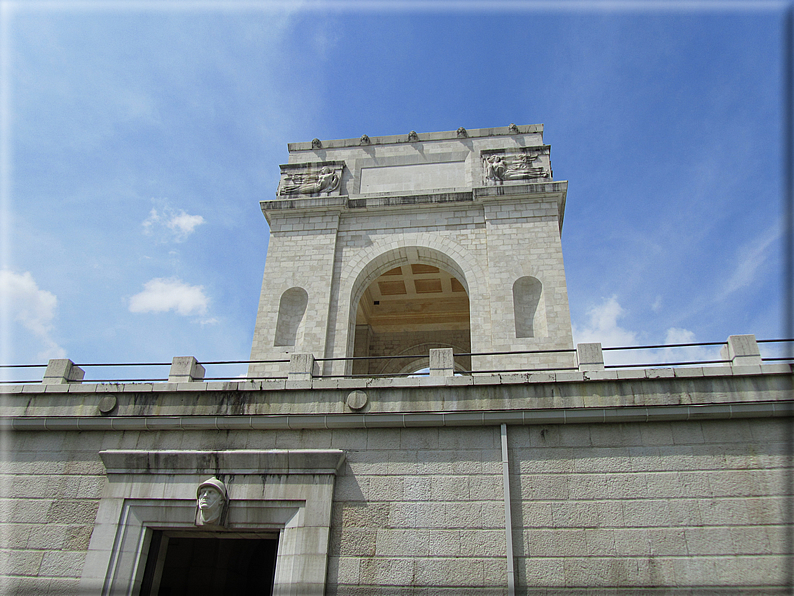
point(676, 335)
point(171, 224)
point(752, 257)
point(22, 301)
point(602, 326)
point(657, 304)
point(184, 224)
point(161, 295)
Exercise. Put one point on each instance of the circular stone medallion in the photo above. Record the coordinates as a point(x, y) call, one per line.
point(356, 400)
point(107, 404)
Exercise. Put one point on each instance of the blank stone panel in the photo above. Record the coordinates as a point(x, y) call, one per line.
point(413, 177)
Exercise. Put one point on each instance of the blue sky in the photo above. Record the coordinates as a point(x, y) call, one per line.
point(139, 138)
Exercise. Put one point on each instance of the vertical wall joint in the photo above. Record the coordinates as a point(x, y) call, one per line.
point(511, 582)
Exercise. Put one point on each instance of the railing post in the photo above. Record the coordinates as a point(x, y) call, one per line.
point(590, 357)
point(442, 362)
point(61, 371)
point(302, 367)
point(185, 369)
point(741, 350)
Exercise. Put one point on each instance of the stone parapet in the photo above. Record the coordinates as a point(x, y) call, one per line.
point(317, 396)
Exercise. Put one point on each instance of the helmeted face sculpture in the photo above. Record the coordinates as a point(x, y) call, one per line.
point(211, 500)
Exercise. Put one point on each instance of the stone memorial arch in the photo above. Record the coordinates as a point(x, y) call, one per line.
point(390, 246)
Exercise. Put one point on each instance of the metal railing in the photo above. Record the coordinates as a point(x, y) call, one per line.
point(696, 362)
point(5, 368)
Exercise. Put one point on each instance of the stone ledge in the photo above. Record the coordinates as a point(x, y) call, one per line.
point(313, 203)
point(241, 461)
point(550, 189)
point(583, 415)
point(409, 198)
point(447, 135)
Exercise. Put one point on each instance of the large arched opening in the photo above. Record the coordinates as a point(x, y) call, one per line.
point(413, 300)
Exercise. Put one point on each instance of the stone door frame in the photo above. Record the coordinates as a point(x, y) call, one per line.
point(289, 491)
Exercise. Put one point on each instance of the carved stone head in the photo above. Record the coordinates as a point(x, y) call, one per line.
point(212, 503)
point(513, 129)
point(316, 144)
point(364, 140)
point(413, 137)
point(462, 134)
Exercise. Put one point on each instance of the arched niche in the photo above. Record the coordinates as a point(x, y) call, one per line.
point(405, 302)
point(291, 311)
point(529, 307)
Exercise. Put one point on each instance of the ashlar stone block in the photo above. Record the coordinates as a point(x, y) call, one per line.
point(741, 350)
point(61, 371)
point(590, 356)
point(185, 369)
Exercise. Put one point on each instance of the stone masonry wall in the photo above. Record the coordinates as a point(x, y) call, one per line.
point(524, 240)
point(300, 254)
point(50, 488)
point(679, 504)
point(419, 508)
point(697, 503)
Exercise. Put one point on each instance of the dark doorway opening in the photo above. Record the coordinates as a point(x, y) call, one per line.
point(180, 564)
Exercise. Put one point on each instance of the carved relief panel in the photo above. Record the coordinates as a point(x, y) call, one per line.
point(516, 165)
point(318, 179)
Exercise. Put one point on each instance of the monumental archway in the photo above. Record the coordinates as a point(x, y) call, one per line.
point(409, 308)
point(420, 226)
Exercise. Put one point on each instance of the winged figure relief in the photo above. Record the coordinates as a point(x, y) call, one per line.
point(514, 167)
point(326, 180)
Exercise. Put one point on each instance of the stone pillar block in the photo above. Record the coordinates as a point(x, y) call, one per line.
point(302, 367)
point(185, 369)
point(741, 350)
point(442, 362)
point(61, 371)
point(590, 356)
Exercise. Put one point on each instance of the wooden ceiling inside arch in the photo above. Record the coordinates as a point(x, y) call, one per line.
point(414, 297)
